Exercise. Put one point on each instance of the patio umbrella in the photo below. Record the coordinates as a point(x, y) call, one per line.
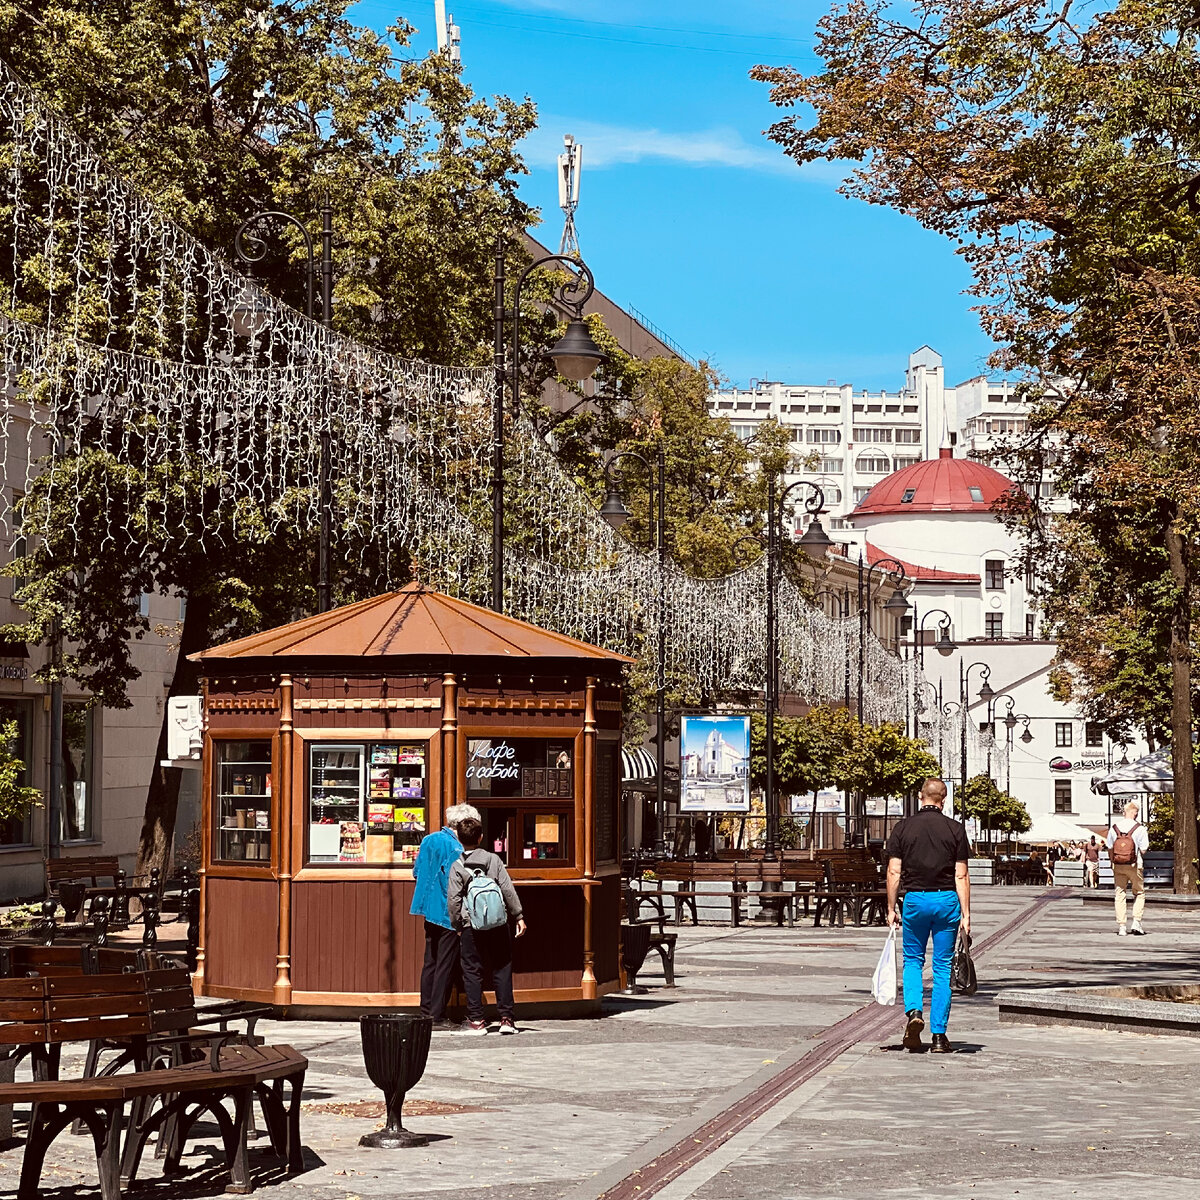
point(1150, 774)
point(1052, 828)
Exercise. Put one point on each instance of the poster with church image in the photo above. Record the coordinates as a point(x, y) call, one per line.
point(714, 771)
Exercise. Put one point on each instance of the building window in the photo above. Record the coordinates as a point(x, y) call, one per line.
point(18, 831)
point(144, 604)
point(871, 433)
point(860, 494)
point(1093, 734)
point(976, 493)
point(993, 573)
point(832, 493)
point(1030, 625)
point(994, 625)
point(78, 797)
point(1030, 581)
point(832, 465)
point(904, 460)
point(1062, 795)
point(908, 437)
point(745, 432)
point(909, 494)
point(1062, 735)
point(824, 437)
point(871, 464)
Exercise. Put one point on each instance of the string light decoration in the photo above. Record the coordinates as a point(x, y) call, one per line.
point(127, 341)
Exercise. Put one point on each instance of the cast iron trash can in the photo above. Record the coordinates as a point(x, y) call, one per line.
point(395, 1050)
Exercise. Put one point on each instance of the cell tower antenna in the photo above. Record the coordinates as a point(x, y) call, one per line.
point(449, 35)
point(570, 167)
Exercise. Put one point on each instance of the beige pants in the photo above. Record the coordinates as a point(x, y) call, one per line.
point(1091, 874)
point(1122, 877)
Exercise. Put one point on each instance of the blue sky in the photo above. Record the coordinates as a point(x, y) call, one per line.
point(687, 212)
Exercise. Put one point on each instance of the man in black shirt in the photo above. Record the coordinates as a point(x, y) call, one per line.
point(927, 861)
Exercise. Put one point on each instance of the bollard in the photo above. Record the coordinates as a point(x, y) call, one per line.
point(191, 904)
point(100, 919)
point(120, 908)
point(150, 921)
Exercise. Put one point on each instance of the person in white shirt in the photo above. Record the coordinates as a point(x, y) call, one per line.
point(1127, 842)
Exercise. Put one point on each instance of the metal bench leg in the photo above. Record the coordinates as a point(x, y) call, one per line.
point(235, 1146)
point(294, 1147)
point(8, 1073)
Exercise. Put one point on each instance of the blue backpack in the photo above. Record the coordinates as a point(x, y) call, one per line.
point(484, 905)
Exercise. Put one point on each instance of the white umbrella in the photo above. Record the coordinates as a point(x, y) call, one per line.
point(1150, 774)
point(1052, 828)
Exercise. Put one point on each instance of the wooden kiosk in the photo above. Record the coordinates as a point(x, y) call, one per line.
point(332, 745)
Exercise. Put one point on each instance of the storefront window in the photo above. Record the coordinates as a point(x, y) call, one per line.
point(18, 831)
point(367, 802)
point(78, 818)
point(243, 801)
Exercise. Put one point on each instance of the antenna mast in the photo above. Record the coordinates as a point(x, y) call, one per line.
point(570, 167)
point(449, 35)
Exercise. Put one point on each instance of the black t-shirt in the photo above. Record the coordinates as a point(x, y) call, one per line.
point(928, 845)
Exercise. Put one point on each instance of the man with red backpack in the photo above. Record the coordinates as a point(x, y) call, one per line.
point(1127, 841)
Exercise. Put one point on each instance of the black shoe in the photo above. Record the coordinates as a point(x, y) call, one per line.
point(912, 1031)
point(940, 1044)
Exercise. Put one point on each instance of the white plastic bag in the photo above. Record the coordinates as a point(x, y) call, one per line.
point(883, 985)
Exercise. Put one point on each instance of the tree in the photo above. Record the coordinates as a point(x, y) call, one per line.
point(215, 110)
point(15, 798)
point(992, 807)
point(1055, 149)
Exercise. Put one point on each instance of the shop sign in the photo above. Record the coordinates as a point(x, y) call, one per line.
point(1062, 765)
point(492, 760)
point(9, 671)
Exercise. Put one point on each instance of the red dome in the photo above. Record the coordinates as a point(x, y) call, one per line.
point(942, 484)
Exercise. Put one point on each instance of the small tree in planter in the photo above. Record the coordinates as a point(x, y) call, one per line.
point(15, 798)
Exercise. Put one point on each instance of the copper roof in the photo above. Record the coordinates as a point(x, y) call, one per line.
point(411, 623)
point(936, 485)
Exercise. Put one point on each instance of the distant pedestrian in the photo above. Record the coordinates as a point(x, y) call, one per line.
point(483, 903)
point(1052, 856)
point(928, 855)
point(1091, 863)
point(702, 832)
point(1127, 842)
point(431, 876)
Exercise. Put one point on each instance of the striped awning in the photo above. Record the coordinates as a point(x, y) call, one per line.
point(637, 764)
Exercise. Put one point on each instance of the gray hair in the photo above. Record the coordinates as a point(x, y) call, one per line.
point(456, 814)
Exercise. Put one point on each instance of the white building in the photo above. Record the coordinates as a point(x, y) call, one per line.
point(848, 441)
point(935, 518)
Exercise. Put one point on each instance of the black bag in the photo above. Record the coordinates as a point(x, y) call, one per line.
point(962, 969)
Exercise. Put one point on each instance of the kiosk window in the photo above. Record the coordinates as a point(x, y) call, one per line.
point(367, 802)
point(243, 802)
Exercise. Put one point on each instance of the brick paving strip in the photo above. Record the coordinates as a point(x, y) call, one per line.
point(689, 1142)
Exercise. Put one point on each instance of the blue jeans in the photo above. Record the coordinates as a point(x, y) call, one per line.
point(926, 913)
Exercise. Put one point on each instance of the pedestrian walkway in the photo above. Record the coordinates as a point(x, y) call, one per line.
point(759, 1061)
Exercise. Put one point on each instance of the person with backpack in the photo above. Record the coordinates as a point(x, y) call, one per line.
point(1127, 841)
point(482, 903)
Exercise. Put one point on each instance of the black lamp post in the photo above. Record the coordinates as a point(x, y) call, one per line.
point(944, 646)
point(575, 357)
point(985, 693)
point(616, 514)
point(815, 542)
point(247, 322)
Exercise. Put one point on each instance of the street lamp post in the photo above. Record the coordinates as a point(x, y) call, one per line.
point(1011, 721)
point(985, 693)
point(616, 514)
point(898, 606)
point(575, 357)
point(251, 250)
point(816, 542)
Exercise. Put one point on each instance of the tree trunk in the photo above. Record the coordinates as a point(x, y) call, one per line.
point(1181, 710)
point(162, 794)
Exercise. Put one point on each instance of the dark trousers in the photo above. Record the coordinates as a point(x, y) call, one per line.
point(437, 975)
point(487, 952)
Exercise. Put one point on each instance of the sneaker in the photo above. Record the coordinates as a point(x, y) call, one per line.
point(508, 1027)
point(446, 1026)
point(912, 1031)
point(475, 1028)
point(1136, 927)
point(1121, 931)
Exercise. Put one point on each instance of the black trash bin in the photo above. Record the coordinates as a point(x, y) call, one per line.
point(395, 1051)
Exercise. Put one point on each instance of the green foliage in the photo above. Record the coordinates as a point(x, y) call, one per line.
point(15, 799)
point(995, 810)
point(829, 748)
point(1161, 827)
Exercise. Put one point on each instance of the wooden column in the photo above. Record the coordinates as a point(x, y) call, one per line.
point(206, 823)
point(449, 743)
point(283, 825)
point(589, 836)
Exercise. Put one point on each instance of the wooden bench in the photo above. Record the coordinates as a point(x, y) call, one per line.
point(858, 882)
point(698, 874)
point(40, 1014)
point(79, 874)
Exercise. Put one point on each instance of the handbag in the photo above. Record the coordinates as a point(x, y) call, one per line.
point(883, 983)
point(962, 969)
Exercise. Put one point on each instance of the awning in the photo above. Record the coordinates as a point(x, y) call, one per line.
point(637, 765)
point(1153, 773)
point(1052, 828)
